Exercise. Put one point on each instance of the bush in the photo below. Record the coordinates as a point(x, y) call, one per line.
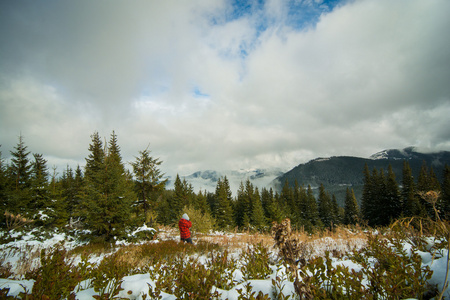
point(201, 222)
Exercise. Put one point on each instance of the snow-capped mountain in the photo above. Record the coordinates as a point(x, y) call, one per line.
point(207, 179)
point(339, 172)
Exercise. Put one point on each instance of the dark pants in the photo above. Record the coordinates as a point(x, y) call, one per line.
point(188, 240)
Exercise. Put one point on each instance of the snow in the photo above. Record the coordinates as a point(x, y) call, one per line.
point(135, 286)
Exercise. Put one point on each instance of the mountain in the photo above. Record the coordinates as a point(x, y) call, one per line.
point(339, 172)
point(207, 180)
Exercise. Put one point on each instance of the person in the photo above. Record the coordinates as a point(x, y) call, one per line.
point(184, 224)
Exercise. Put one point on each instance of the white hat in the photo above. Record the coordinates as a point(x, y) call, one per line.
point(185, 216)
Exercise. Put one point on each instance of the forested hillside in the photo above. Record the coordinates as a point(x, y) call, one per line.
point(339, 172)
point(106, 200)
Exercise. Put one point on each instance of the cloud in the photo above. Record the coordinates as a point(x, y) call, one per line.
point(217, 85)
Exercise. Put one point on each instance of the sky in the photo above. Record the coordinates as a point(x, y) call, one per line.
point(224, 85)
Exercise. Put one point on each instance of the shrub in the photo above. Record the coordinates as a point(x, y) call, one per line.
point(56, 278)
point(255, 262)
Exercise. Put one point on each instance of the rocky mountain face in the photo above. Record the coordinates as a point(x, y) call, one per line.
point(339, 172)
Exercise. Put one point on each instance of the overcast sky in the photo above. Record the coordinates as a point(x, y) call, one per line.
point(224, 84)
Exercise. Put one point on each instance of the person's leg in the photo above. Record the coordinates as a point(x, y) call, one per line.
point(189, 240)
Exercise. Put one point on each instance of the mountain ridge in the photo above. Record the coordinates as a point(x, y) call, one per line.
point(337, 173)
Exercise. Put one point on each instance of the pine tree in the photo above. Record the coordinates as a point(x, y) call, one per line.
point(367, 196)
point(337, 212)
point(19, 175)
point(224, 212)
point(148, 180)
point(201, 203)
point(313, 210)
point(270, 206)
point(39, 184)
point(108, 192)
point(3, 191)
point(351, 210)
point(393, 199)
point(326, 212)
point(380, 215)
point(411, 205)
point(242, 218)
point(287, 200)
point(258, 218)
point(445, 195)
point(427, 181)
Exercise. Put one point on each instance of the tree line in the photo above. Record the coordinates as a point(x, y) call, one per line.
point(106, 199)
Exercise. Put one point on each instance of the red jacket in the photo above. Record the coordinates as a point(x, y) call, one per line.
point(184, 226)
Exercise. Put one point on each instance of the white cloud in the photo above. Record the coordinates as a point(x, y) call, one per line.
point(276, 90)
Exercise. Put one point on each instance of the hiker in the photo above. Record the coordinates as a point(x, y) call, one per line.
point(184, 224)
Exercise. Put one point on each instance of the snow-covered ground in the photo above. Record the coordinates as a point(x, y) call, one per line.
point(27, 248)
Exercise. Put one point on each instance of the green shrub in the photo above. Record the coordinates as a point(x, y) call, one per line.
point(255, 262)
point(222, 266)
point(56, 278)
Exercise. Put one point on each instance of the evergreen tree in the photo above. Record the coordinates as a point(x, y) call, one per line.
point(312, 208)
point(445, 195)
point(351, 212)
point(337, 212)
point(148, 180)
point(367, 195)
point(326, 212)
point(243, 209)
point(287, 200)
point(258, 218)
point(39, 184)
point(411, 204)
point(270, 206)
point(380, 214)
point(427, 181)
point(3, 191)
point(19, 175)
point(224, 211)
point(182, 197)
point(201, 203)
point(393, 197)
point(108, 192)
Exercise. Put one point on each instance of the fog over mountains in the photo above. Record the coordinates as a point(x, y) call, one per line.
point(335, 173)
point(207, 180)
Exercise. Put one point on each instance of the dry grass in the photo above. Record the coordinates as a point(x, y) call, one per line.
point(340, 240)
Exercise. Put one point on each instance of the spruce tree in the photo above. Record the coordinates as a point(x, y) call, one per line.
point(39, 184)
point(312, 208)
point(258, 218)
point(445, 194)
point(380, 215)
point(108, 192)
point(326, 212)
point(3, 191)
point(427, 181)
point(242, 208)
point(149, 182)
point(19, 177)
point(224, 210)
point(287, 200)
point(270, 206)
point(351, 210)
point(393, 198)
point(411, 204)
point(3, 201)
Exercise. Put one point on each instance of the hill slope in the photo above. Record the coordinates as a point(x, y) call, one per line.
point(339, 172)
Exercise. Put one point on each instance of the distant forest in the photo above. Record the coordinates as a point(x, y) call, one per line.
point(106, 200)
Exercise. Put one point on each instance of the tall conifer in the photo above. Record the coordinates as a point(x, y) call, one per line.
point(108, 190)
point(224, 210)
point(19, 175)
point(351, 210)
